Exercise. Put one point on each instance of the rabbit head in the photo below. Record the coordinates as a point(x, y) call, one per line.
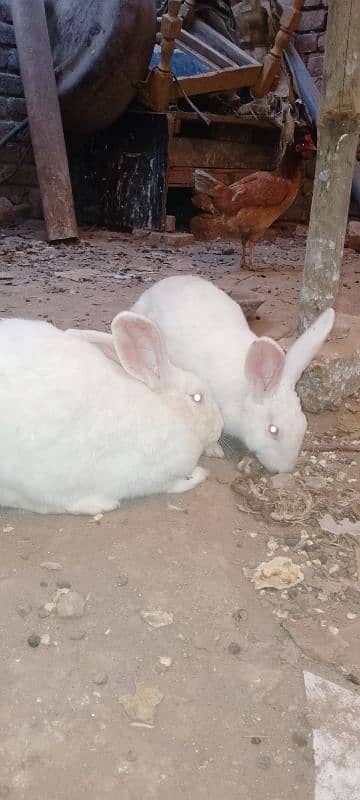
point(137, 344)
point(271, 422)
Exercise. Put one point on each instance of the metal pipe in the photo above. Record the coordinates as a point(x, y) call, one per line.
point(37, 73)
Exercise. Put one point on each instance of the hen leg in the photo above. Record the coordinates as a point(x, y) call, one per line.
point(242, 253)
point(249, 256)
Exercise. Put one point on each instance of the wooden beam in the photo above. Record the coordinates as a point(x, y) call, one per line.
point(225, 80)
point(42, 103)
point(338, 134)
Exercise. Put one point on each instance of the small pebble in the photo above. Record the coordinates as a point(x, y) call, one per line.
point(165, 661)
point(23, 609)
point(122, 580)
point(52, 566)
point(98, 517)
point(131, 755)
point(77, 636)
point(100, 679)
point(264, 762)
point(353, 678)
point(45, 610)
point(44, 584)
point(350, 615)
point(255, 740)
point(70, 605)
point(45, 639)
point(63, 584)
point(234, 648)
point(8, 529)
point(334, 631)
point(239, 615)
point(157, 618)
point(34, 640)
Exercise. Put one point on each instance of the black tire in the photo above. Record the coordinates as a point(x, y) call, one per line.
point(102, 49)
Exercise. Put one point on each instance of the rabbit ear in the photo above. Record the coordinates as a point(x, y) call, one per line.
point(141, 349)
point(301, 353)
point(104, 341)
point(263, 365)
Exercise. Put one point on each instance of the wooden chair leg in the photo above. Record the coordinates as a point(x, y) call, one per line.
point(289, 22)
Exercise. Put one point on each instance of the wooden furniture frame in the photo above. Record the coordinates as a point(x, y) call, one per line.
point(230, 67)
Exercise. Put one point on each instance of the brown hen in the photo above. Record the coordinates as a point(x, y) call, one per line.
point(246, 208)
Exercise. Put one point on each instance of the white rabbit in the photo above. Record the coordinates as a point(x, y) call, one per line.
point(79, 433)
point(252, 379)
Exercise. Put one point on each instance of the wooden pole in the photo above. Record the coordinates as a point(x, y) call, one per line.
point(338, 134)
point(37, 73)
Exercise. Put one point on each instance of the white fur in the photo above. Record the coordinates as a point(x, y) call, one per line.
point(78, 434)
point(252, 380)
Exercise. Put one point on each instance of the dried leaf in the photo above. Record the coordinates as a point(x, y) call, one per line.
point(142, 705)
point(156, 618)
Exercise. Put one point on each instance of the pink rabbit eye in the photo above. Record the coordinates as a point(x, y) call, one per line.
point(197, 398)
point(274, 430)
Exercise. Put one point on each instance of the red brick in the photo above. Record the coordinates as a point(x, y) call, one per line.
point(353, 235)
point(312, 21)
point(7, 35)
point(315, 65)
point(5, 12)
point(16, 194)
point(321, 43)
point(306, 43)
point(16, 108)
point(10, 85)
point(7, 213)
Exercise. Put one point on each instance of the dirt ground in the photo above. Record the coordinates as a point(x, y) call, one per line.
point(177, 678)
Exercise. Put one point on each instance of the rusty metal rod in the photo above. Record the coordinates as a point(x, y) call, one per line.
point(37, 73)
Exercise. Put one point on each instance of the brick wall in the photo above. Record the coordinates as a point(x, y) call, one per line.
point(310, 36)
point(17, 169)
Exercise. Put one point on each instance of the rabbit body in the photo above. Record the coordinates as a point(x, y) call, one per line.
point(252, 379)
point(78, 433)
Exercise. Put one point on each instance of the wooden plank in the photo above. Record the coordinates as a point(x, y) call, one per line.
point(212, 154)
point(224, 81)
point(232, 120)
point(338, 132)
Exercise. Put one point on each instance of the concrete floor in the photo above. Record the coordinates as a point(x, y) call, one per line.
point(218, 701)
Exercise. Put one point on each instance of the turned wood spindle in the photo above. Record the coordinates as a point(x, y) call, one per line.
point(289, 22)
point(170, 29)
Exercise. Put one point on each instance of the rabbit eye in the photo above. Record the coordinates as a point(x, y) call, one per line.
point(274, 430)
point(197, 397)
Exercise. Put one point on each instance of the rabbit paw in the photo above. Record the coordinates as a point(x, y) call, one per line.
point(92, 505)
point(198, 475)
point(214, 451)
